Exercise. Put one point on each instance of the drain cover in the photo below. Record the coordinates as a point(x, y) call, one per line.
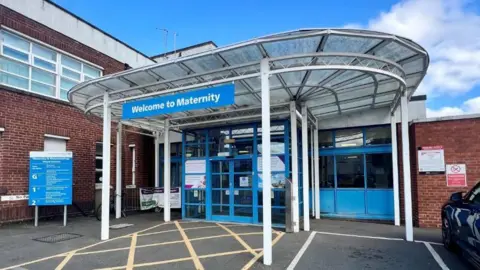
point(55, 238)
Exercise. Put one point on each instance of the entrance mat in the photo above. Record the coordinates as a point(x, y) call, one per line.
point(55, 238)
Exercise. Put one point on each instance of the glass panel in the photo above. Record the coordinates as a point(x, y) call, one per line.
point(16, 41)
point(43, 76)
point(221, 210)
point(327, 175)
point(63, 94)
point(220, 181)
point(378, 135)
point(43, 64)
point(350, 171)
point(71, 63)
point(197, 136)
point(44, 52)
point(15, 54)
point(243, 197)
point(278, 197)
point(243, 211)
point(91, 71)
point(99, 149)
point(221, 196)
point(43, 89)
point(195, 150)
point(98, 177)
point(66, 84)
point(217, 139)
point(325, 139)
point(243, 181)
point(379, 171)
point(242, 166)
point(242, 148)
point(348, 137)
point(13, 81)
point(195, 196)
point(278, 180)
point(13, 67)
point(278, 215)
point(86, 78)
point(98, 163)
point(71, 74)
point(195, 211)
point(277, 145)
point(220, 166)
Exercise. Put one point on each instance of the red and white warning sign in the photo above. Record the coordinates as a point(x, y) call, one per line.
point(456, 175)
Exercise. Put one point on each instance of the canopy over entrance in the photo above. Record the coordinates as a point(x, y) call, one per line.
point(334, 71)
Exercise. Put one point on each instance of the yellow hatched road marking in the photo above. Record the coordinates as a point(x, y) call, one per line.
point(131, 254)
point(239, 239)
point(65, 260)
point(252, 261)
point(193, 254)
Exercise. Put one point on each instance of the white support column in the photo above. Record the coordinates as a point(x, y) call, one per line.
point(306, 217)
point(156, 143)
point(294, 147)
point(396, 186)
point(266, 163)
point(312, 171)
point(105, 224)
point(407, 189)
point(118, 183)
point(317, 173)
point(166, 169)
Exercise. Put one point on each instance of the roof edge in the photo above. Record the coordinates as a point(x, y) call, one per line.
point(185, 49)
point(448, 118)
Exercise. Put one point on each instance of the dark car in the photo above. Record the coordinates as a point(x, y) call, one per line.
point(461, 224)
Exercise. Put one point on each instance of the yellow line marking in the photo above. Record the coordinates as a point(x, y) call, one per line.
point(148, 264)
point(227, 253)
point(160, 232)
point(252, 261)
point(240, 240)
point(223, 235)
point(193, 254)
point(35, 261)
point(131, 254)
point(101, 251)
point(65, 260)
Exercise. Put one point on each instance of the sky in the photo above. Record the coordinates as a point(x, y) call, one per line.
point(448, 29)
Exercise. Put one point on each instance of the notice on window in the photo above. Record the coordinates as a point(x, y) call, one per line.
point(154, 197)
point(196, 166)
point(277, 164)
point(456, 175)
point(195, 181)
point(431, 160)
point(244, 181)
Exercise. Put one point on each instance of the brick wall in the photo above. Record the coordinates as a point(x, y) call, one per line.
point(27, 117)
point(461, 142)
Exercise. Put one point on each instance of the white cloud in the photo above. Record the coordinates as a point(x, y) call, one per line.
point(468, 107)
point(450, 32)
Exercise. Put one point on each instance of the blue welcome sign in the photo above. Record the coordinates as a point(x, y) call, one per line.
point(217, 96)
point(50, 178)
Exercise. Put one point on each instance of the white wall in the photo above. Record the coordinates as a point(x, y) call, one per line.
point(416, 109)
point(61, 21)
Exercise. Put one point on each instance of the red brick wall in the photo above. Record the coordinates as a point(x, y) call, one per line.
point(461, 141)
point(27, 117)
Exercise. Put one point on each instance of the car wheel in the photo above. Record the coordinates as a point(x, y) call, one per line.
point(447, 234)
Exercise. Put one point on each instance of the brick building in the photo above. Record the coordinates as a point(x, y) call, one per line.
point(40, 60)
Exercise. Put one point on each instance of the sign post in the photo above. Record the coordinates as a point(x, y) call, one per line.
point(50, 181)
point(456, 175)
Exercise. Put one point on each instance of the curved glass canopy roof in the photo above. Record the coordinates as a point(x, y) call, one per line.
point(333, 71)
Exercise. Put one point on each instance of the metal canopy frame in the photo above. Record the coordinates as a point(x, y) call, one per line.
point(333, 71)
point(321, 72)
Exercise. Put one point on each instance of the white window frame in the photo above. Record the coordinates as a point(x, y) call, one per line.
point(30, 65)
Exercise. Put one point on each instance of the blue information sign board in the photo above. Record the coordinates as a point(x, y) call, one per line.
point(50, 178)
point(217, 96)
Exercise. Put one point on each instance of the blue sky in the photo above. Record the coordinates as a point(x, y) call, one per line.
point(448, 29)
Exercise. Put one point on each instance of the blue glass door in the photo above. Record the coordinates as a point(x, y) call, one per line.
point(232, 196)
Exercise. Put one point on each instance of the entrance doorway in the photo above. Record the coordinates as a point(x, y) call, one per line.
point(232, 190)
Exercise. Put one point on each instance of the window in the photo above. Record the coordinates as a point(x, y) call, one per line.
point(378, 135)
point(54, 144)
point(98, 162)
point(350, 172)
point(379, 171)
point(35, 68)
point(327, 176)
point(348, 138)
point(325, 139)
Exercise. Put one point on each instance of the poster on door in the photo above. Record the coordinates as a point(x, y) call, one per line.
point(431, 160)
point(195, 181)
point(276, 164)
point(456, 175)
point(278, 180)
point(196, 166)
point(154, 197)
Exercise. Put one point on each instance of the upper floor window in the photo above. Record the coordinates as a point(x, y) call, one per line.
point(35, 68)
